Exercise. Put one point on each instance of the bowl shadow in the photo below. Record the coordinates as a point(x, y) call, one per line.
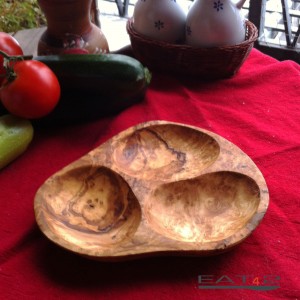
point(70, 270)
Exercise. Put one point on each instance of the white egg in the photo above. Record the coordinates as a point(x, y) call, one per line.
point(213, 23)
point(162, 20)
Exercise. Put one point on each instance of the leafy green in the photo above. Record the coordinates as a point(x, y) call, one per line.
point(20, 14)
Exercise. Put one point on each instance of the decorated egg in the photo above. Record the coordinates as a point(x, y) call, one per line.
point(162, 20)
point(214, 23)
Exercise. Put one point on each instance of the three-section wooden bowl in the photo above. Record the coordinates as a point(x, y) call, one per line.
point(158, 188)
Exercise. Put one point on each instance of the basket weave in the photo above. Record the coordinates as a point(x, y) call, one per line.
point(209, 63)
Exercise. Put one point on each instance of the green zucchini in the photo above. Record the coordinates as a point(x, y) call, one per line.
point(96, 84)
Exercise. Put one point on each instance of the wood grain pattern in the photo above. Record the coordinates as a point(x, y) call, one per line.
point(158, 188)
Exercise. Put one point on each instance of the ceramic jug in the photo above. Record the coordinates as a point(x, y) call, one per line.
point(160, 20)
point(214, 23)
point(69, 26)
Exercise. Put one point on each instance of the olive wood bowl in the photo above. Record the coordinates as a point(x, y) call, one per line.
point(158, 188)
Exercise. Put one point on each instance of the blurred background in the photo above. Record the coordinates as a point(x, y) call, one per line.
point(278, 21)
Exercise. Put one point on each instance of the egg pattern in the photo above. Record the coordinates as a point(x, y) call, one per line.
point(218, 5)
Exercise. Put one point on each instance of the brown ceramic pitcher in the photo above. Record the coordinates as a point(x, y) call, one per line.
point(69, 26)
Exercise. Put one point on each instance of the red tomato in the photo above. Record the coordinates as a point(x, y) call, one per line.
point(10, 46)
point(33, 93)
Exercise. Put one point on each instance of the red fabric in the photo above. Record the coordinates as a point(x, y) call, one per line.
point(258, 110)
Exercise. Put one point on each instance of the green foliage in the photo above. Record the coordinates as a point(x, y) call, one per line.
point(20, 14)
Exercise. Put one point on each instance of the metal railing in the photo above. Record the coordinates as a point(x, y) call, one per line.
point(278, 22)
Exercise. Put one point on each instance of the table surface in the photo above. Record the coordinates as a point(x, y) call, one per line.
point(258, 110)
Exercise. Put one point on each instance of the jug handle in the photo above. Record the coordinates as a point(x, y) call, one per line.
point(240, 4)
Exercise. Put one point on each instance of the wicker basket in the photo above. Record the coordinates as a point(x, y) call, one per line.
point(208, 63)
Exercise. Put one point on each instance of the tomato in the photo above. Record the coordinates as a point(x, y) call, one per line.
point(10, 46)
point(33, 92)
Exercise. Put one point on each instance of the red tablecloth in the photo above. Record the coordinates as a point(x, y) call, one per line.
point(258, 110)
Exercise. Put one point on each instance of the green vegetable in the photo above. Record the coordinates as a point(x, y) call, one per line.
point(93, 83)
point(15, 136)
point(102, 73)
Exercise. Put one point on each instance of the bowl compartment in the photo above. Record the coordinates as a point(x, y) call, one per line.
point(164, 152)
point(90, 206)
point(206, 209)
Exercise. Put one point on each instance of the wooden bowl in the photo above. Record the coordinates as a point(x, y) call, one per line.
point(158, 188)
